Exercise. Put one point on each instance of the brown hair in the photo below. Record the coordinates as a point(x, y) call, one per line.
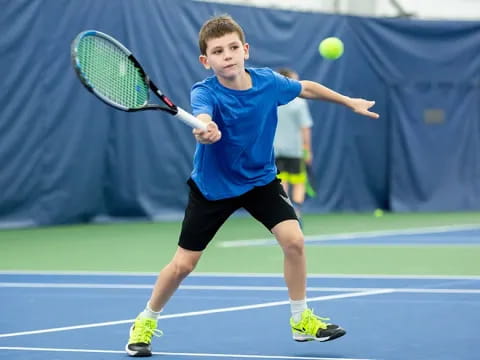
point(216, 27)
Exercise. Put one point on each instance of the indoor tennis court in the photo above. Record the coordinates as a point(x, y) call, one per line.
point(93, 181)
point(86, 316)
point(429, 280)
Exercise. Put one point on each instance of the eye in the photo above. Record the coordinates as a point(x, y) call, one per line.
point(218, 51)
point(235, 47)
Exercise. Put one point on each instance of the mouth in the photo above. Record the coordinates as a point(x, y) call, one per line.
point(229, 66)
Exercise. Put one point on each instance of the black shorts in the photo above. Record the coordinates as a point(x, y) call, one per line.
point(268, 204)
point(289, 165)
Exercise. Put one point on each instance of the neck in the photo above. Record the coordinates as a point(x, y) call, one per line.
point(241, 82)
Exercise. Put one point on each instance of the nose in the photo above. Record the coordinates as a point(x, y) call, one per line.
point(227, 55)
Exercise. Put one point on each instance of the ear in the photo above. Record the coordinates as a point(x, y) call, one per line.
point(246, 51)
point(204, 61)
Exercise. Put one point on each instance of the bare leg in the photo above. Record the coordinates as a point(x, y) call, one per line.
point(290, 238)
point(298, 193)
point(170, 277)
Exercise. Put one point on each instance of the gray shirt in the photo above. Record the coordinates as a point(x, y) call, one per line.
point(292, 117)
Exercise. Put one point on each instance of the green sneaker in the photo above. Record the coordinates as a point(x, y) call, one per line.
point(312, 327)
point(141, 332)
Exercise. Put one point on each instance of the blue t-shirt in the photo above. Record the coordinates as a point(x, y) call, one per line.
point(243, 158)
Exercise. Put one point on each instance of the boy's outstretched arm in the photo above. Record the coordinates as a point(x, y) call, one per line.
point(314, 90)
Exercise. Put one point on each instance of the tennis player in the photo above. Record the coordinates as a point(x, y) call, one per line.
point(234, 167)
point(292, 146)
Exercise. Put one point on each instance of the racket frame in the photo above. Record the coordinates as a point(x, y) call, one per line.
point(170, 107)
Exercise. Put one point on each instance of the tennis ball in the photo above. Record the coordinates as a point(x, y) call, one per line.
point(378, 213)
point(331, 48)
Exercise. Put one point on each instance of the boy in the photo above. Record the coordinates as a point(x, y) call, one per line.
point(234, 167)
point(292, 146)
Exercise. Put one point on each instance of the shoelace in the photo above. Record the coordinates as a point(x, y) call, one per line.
point(312, 322)
point(143, 334)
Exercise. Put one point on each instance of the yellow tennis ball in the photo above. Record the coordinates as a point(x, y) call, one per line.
point(331, 48)
point(378, 213)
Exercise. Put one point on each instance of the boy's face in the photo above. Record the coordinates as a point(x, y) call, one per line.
point(226, 56)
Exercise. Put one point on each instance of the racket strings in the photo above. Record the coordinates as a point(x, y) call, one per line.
point(111, 73)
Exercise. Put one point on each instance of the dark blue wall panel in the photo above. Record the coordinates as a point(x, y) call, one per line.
point(65, 157)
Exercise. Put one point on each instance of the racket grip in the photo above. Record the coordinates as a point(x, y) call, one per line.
point(190, 120)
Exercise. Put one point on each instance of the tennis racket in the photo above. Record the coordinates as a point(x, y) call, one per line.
point(110, 71)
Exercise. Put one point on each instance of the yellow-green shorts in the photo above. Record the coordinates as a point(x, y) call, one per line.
point(291, 170)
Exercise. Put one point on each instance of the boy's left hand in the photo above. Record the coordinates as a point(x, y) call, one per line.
point(362, 106)
point(307, 157)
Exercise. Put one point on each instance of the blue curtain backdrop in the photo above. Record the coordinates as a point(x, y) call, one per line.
point(66, 157)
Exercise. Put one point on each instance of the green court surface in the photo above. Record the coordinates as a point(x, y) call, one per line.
point(147, 246)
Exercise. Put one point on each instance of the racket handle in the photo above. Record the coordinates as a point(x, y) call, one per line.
point(190, 120)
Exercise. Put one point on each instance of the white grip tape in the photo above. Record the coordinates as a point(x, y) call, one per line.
point(190, 120)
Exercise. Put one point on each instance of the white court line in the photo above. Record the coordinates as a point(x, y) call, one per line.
point(240, 275)
point(232, 288)
point(353, 235)
point(203, 312)
point(181, 354)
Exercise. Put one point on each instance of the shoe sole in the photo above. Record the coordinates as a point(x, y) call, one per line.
point(336, 335)
point(137, 353)
point(145, 353)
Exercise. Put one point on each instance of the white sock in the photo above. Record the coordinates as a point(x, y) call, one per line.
point(297, 307)
point(149, 313)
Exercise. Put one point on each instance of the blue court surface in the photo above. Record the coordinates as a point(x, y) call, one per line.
point(220, 316)
point(444, 236)
point(451, 237)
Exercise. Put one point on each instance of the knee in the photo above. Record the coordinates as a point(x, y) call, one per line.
point(182, 268)
point(294, 245)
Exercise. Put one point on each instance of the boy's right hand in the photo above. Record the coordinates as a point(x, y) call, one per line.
point(208, 136)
